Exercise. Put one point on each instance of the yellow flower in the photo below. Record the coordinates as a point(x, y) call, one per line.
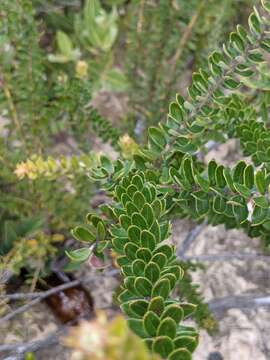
point(25, 169)
point(32, 242)
point(128, 146)
point(81, 69)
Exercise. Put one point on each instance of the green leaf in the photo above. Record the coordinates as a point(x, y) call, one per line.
point(152, 272)
point(176, 112)
point(219, 205)
point(165, 229)
point(119, 243)
point(156, 206)
point(219, 176)
point(122, 261)
point(127, 270)
point(256, 57)
point(156, 305)
point(148, 240)
point(202, 182)
point(163, 345)
point(130, 250)
point(131, 190)
point(188, 342)
point(260, 181)
point(175, 312)
point(147, 194)
point(188, 170)
point(259, 215)
point(101, 231)
point(254, 23)
point(161, 288)
point(127, 310)
point(81, 233)
point(160, 259)
point(240, 212)
point(139, 200)
point(138, 220)
point(261, 201)
point(138, 266)
point(137, 181)
point(143, 286)
point(157, 137)
point(119, 190)
point(242, 190)
point(176, 270)
point(101, 246)
point(164, 249)
point(237, 41)
point(249, 176)
point(238, 173)
point(139, 307)
point(266, 5)
point(172, 279)
point(229, 180)
point(106, 164)
point(180, 354)
point(129, 283)
point(151, 322)
point(64, 43)
point(79, 255)
point(131, 208)
point(148, 213)
point(137, 327)
point(125, 296)
point(211, 172)
point(134, 234)
point(230, 83)
point(188, 309)
point(167, 327)
point(144, 254)
point(155, 230)
point(125, 221)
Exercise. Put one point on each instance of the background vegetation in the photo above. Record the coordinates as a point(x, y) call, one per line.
point(57, 60)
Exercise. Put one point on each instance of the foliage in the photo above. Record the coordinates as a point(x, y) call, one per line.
point(167, 178)
point(102, 339)
point(95, 32)
point(42, 112)
point(53, 168)
point(32, 254)
point(163, 40)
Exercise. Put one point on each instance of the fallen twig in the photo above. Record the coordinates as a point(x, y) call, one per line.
point(21, 296)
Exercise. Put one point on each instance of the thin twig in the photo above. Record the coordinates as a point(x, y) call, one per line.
point(35, 301)
point(185, 37)
point(21, 296)
point(191, 236)
point(225, 257)
point(239, 302)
